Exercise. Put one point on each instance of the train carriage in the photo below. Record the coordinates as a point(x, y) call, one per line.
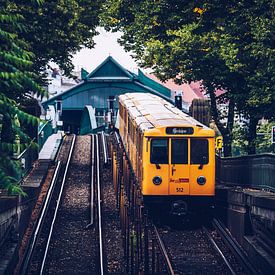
point(171, 153)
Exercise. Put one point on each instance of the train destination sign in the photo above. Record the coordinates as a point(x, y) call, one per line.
point(179, 131)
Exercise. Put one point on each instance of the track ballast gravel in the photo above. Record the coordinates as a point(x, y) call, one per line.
point(72, 249)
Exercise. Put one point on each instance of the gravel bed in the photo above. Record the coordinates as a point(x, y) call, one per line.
point(111, 225)
point(34, 216)
point(237, 267)
point(41, 241)
point(191, 252)
point(72, 249)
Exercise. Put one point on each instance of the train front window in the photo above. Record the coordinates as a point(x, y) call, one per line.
point(179, 151)
point(159, 151)
point(199, 151)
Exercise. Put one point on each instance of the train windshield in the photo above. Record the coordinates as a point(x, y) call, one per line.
point(199, 151)
point(159, 151)
point(179, 154)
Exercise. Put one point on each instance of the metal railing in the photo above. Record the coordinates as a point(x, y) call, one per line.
point(27, 157)
point(256, 171)
point(142, 251)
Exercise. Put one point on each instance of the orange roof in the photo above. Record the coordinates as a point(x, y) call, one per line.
point(190, 91)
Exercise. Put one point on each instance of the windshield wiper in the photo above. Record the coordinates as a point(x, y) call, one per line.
point(157, 166)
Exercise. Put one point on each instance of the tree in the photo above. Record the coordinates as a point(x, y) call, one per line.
point(57, 29)
point(16, 82)
point(32, 33)
point(226, 45)
point(263, 141)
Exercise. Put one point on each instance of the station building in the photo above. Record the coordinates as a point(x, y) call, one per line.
point(92, 103)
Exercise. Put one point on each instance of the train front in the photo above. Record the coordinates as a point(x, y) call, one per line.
point(179, 168)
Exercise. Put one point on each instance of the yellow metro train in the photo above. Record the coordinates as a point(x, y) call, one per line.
point(172, 154)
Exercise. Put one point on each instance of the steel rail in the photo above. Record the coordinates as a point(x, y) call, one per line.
point(57, 205)
point(63, 138)
point(219, 251)
point(92, 183)
point(164, 252)
point(234, 247)
point(99, 207)
point(39, 224)
point(104, 148)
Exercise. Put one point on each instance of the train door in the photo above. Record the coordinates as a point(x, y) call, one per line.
point(179, 174)
point(202, 166)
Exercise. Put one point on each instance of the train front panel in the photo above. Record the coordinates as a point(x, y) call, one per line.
point(178, 165)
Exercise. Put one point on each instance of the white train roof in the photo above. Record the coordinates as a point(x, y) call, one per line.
point(150, 111)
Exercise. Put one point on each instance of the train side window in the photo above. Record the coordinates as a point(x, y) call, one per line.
point(159, 151)
point(199, 151)
point(128, 119)
point(179, 151)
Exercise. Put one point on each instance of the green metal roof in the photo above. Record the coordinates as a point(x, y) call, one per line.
point(109, 68)
point(108, 77)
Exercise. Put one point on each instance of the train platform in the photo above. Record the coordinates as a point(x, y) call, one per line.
point(50, 148)
point(46, 156)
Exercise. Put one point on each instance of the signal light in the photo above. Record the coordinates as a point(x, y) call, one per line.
point(273, 134)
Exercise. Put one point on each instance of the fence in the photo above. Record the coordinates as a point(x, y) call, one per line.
point(27, 157)
point(257, 171)
point(142, 250)
point(30, 154)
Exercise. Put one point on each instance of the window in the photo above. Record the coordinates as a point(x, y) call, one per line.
point(128, 120)
point(159, 151)
point(179, 151)
point(199, 151)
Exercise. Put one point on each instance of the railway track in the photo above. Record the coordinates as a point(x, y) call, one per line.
point(34, 252)
point(99, 213)
point(63, 243)
point(198, 249)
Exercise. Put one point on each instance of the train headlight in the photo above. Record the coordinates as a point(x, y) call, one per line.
point(201, 180)
point(157, 180)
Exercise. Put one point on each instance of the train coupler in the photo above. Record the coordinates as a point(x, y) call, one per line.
point(179, 208)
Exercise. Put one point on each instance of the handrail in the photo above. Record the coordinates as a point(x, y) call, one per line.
point(25, 150)
point(47, 122)
point(248, 156)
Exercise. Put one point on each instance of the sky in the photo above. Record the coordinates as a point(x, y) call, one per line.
point(106, 44)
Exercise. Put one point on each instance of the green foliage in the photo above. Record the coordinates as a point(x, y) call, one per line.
point(57, 29)
point(263, 141)
point(16, 82)
point(224, 44)
point(32, 33)
point(239, 144)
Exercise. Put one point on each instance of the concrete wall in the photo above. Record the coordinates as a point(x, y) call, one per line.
point(249, 214)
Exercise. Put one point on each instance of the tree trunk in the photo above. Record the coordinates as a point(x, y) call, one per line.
point(229, 128)
point(7, 134)
point(252, 135)
point(227, 148)
point(226, 132)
